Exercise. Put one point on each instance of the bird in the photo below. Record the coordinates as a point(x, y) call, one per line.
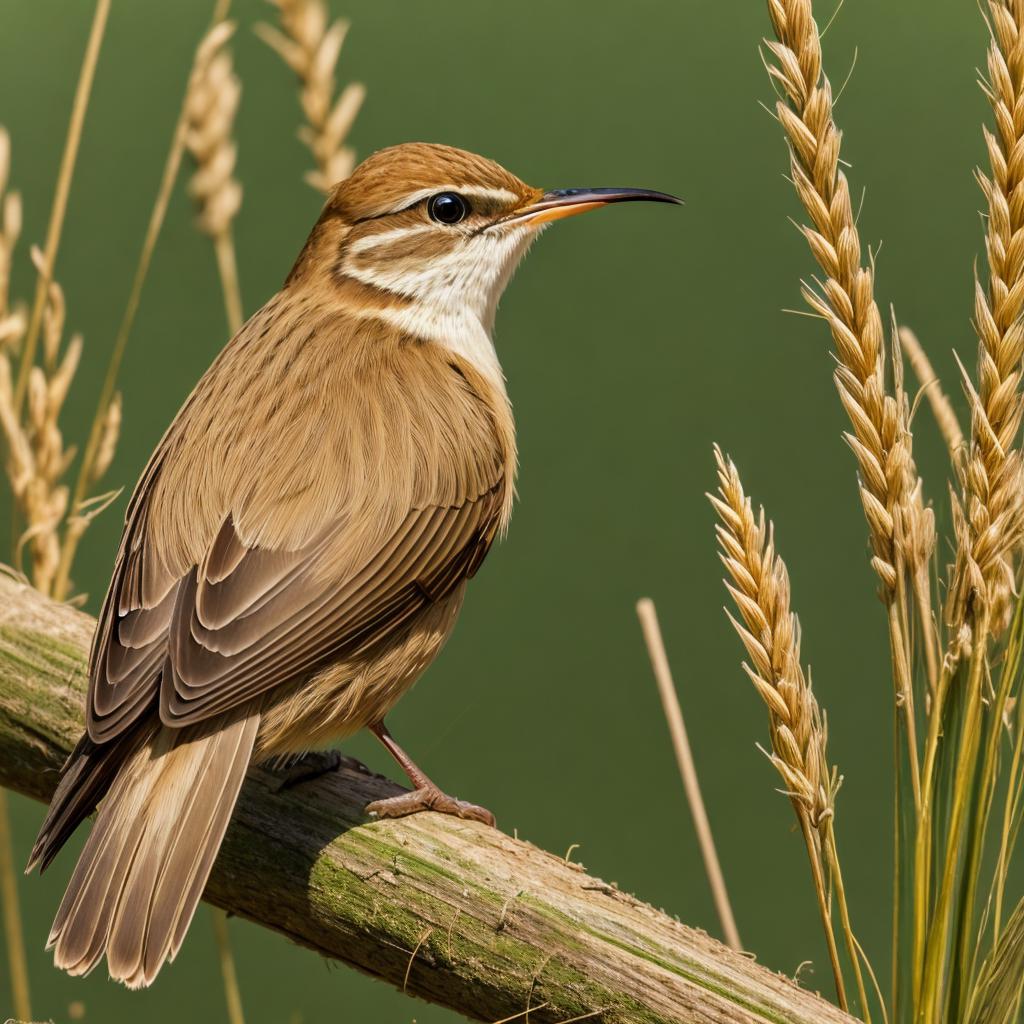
point(296, 551)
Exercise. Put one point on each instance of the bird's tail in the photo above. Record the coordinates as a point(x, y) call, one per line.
point(147, 859)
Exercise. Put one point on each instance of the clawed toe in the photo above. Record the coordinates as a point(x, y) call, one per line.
point(429, 799)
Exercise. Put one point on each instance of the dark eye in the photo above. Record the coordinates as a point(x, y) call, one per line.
point(448, 208)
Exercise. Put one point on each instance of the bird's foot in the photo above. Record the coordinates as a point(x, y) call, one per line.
point(428, 798)
point(311, 764)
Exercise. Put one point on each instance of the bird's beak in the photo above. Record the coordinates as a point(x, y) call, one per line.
point(567, 202)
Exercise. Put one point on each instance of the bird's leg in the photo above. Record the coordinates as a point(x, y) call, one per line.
point(425, 796)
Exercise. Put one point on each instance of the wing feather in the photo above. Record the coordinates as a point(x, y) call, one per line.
point(214, 603)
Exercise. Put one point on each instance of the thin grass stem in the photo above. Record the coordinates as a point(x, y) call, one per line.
point(904, 685)
point(942, 409)
point(824, 910)
point(227, 269)
point(156, 219)
point(1011, 808)
point(934, 975)
point(923, 844)
point(648, 616)
point(965, 950)
point(60, 197)
point(852, 946)
point(13, 933)
point(232, 993)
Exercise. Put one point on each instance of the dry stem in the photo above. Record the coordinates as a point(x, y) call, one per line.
point(12, 320)
point(211, 42)
point(648, 616)
point(311, 48)
point(60, 198)
point(942, 409)
point(13, 934)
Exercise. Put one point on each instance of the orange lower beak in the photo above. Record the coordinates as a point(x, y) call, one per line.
point(567, 202)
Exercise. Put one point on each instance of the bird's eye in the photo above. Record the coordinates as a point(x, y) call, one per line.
point(448, 208)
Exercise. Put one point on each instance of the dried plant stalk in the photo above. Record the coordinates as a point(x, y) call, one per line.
point(211, 104)
point(988, 520)
point(12, 320)
point(880, 438)
point(83, 91)
point(311, 48)
point(989, 515)
point(942, 409)
point(211, 42)
point(759, 585)
point(648, 616)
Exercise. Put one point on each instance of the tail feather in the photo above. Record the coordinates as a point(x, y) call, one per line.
point(87, 775)
point(145, 864)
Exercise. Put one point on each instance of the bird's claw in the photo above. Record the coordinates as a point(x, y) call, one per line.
point(428, 798)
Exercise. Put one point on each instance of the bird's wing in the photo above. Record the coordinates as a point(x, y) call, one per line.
point(247, 618)
point(256, 551)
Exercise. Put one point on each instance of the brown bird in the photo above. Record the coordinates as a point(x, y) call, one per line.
point(296, 551)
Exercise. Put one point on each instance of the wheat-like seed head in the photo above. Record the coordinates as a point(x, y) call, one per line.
point(759, 585)
point(880, 438)
point(37, 458)
point(12, 321)
point(214, 91)
point(310, 47)
point(989, 515)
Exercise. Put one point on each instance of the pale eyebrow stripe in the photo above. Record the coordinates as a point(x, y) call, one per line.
point(382, 237)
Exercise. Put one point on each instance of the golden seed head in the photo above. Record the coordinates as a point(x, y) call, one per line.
point(311, 47)
point(211, 104)
point(759, 586)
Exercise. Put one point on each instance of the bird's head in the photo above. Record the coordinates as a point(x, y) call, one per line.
point(439, 231)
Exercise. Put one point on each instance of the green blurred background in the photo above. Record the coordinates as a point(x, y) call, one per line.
point(632, 340)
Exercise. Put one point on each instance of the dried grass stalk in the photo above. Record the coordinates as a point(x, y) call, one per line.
point(648, 616)
point(211, 104)
point(310, 47)
point(759, 585)
point(211, 42)
point(988, 516)
point(12, 320)
point(942, 409)
point(83, 92)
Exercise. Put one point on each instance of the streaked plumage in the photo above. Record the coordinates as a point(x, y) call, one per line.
point(297, 549)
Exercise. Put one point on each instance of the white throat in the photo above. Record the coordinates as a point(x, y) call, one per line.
point(454, 296)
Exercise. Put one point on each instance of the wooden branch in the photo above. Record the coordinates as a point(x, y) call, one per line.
point(451, 911)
